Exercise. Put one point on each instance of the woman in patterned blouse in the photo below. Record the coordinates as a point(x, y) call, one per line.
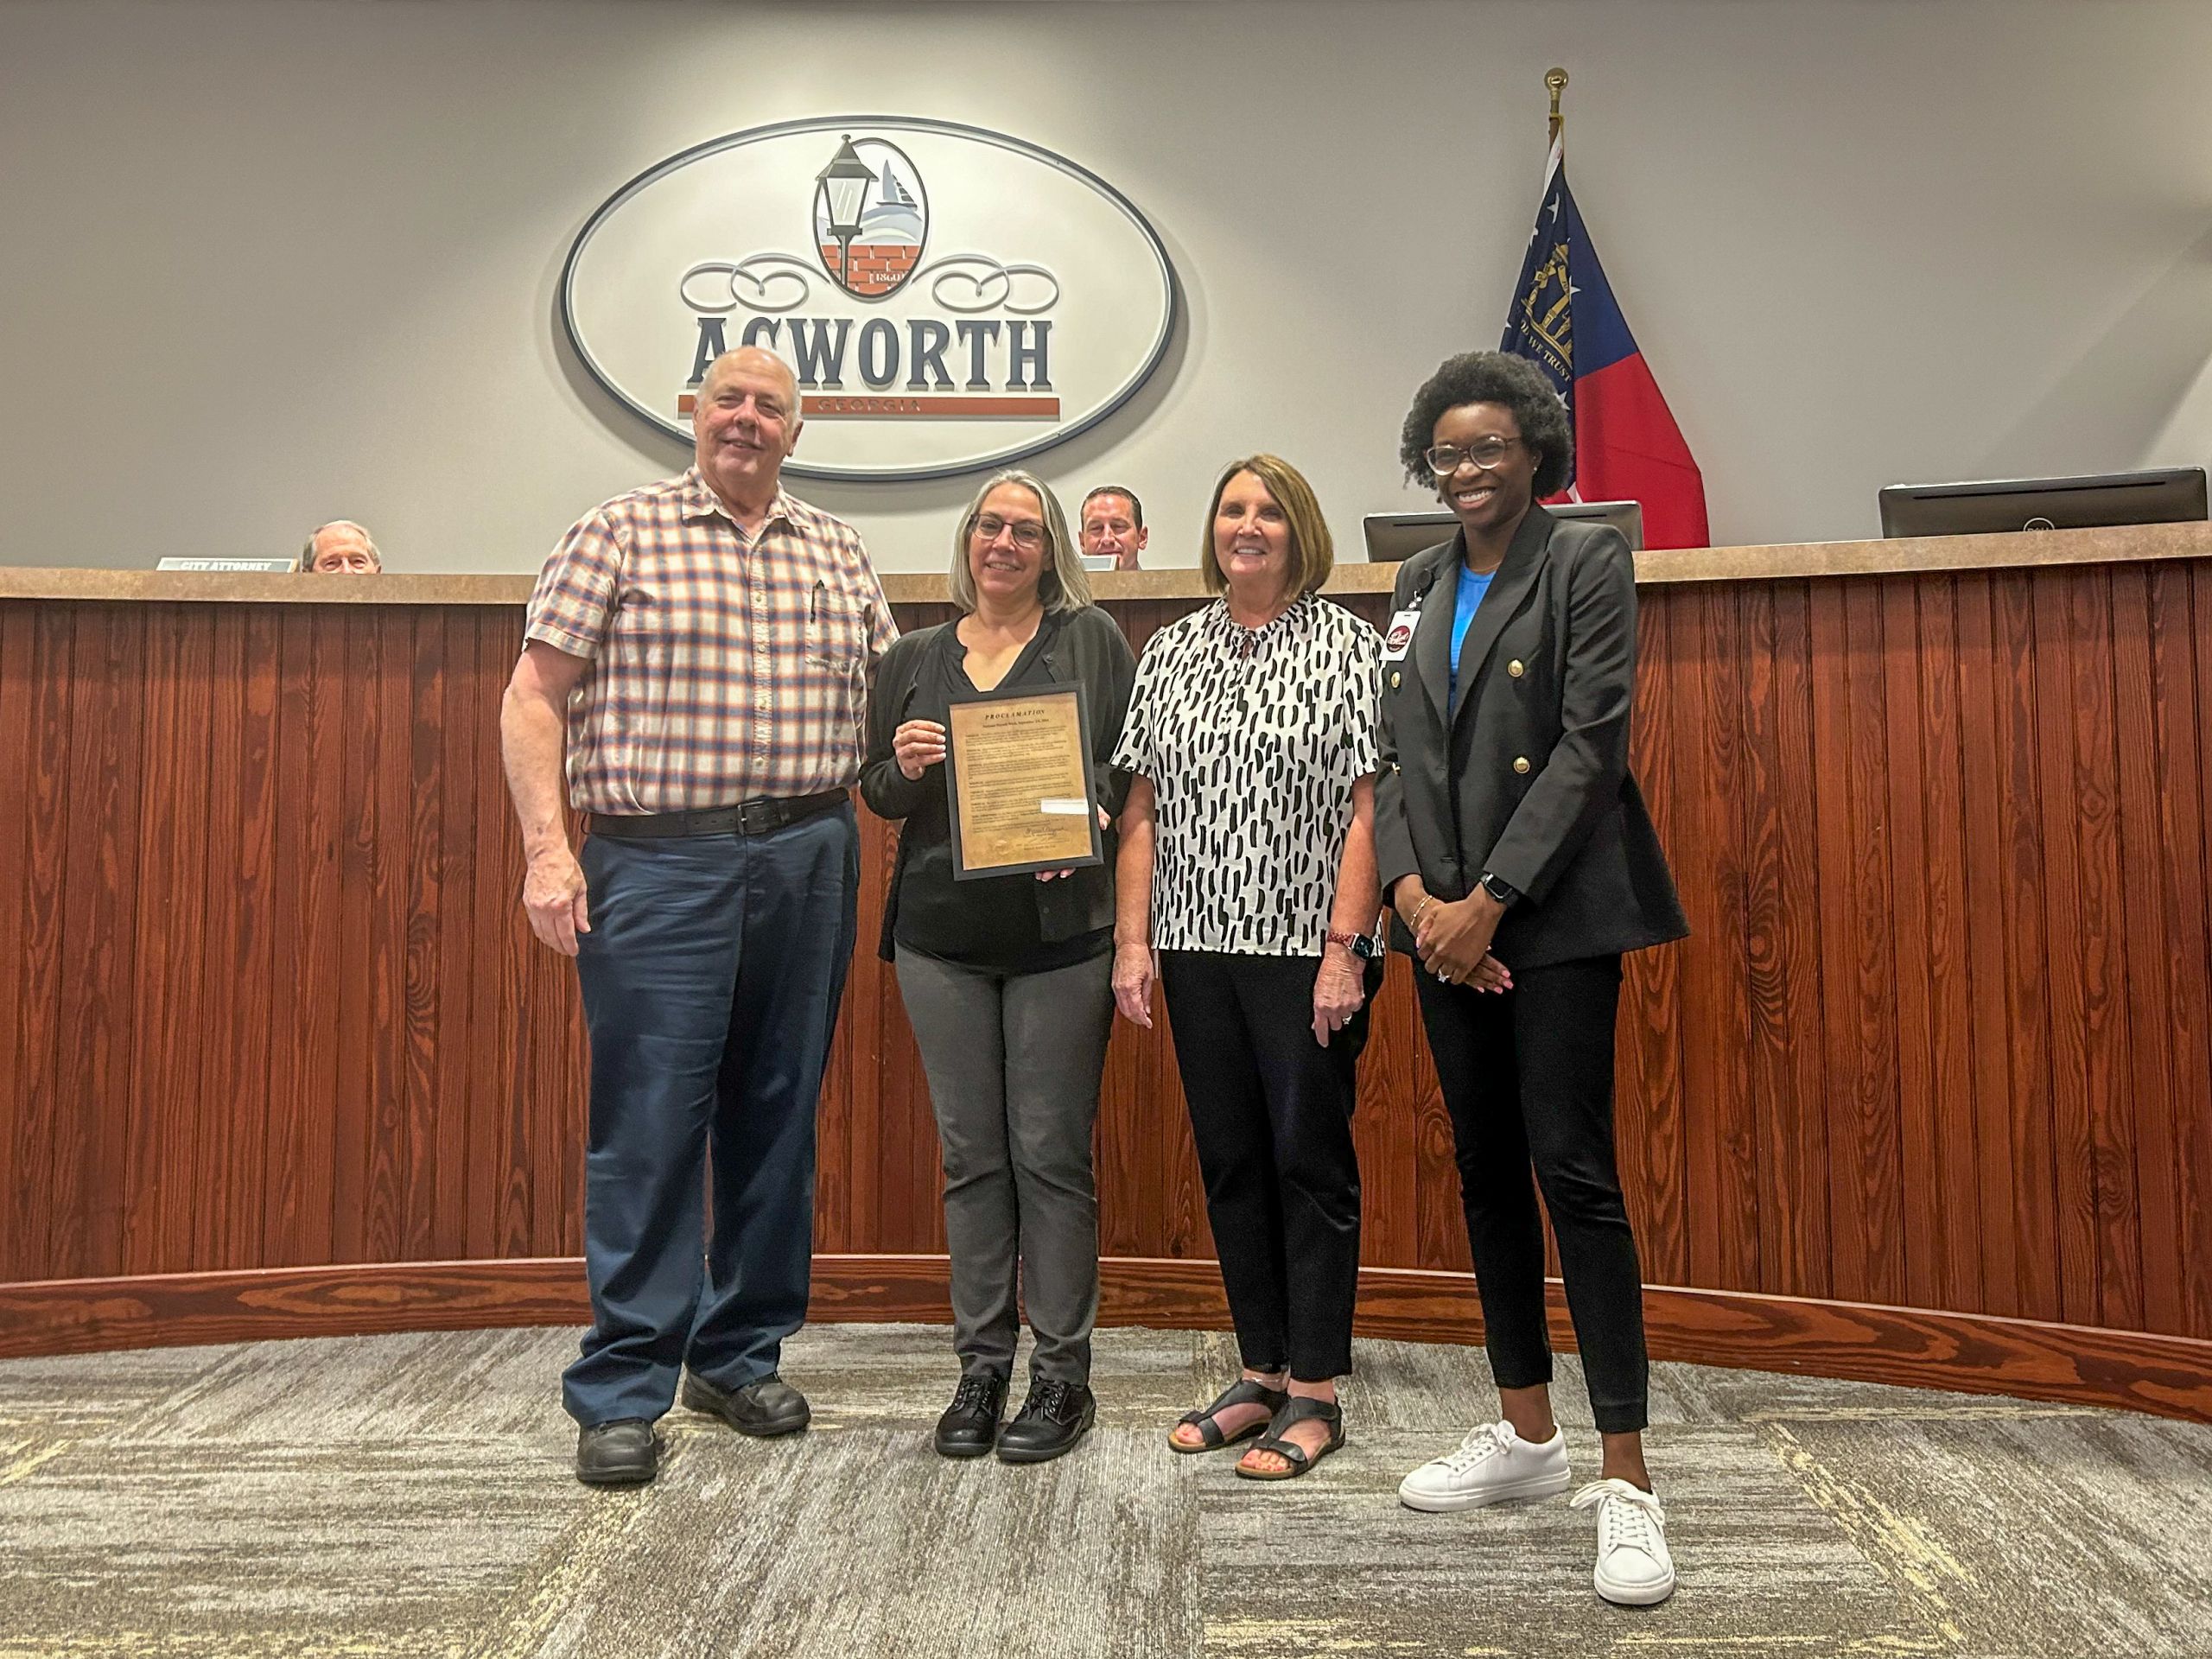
point(1246, 883)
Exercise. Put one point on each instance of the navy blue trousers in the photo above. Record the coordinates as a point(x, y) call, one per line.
point(710, 978)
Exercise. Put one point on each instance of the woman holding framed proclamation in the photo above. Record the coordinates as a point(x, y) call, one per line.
point(1006, 977)
point(1248, 865)
point(1519, 861)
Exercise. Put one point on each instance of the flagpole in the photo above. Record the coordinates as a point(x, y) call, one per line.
point(1556, 79)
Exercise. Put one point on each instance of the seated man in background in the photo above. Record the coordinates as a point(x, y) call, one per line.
point(341, 548)
point(1113, 522)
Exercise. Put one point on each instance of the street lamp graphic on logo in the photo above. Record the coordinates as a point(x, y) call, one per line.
point(871, 216)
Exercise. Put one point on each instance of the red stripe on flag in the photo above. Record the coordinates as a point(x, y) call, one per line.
point(1627, 448)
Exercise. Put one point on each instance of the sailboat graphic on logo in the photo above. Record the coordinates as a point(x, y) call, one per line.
point(871, 217)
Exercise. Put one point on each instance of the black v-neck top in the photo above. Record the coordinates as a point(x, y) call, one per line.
point(1010, 923)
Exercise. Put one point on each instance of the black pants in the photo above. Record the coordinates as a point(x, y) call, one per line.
point(1528, 1077)
point(1271, 1112)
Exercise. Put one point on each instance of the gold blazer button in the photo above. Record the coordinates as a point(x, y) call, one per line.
point(1521, 763)
point(1515, 668)
point(1394, 679)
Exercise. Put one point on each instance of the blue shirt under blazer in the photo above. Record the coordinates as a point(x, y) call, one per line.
point(1525, 773)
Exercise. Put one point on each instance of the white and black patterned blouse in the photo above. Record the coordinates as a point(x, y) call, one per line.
point(1253, 739)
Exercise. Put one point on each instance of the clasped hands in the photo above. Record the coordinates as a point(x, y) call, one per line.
point(1452, 936)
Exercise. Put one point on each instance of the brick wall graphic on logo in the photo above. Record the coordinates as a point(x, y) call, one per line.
point(871, 218)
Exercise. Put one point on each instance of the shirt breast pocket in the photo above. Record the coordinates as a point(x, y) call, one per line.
point(836, 629)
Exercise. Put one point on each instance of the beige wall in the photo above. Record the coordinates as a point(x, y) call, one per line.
point(268, 262)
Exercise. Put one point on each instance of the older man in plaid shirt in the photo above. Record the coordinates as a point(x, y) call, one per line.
point(698, 652)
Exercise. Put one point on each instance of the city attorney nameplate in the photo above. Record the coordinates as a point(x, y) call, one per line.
point(1017, 778)
point(949, 298)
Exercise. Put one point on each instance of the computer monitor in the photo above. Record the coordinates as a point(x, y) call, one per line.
point(1392, 537)
point(2164, 496)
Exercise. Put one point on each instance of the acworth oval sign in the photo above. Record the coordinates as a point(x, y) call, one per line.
point(950, 298)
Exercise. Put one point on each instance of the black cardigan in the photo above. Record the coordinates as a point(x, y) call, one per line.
point(1081, 648)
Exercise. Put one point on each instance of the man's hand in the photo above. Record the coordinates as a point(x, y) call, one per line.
point(553, 894)
point(1337, 992)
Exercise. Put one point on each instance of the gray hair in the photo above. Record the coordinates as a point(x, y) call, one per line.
point(1062, 583)
point(307, 553)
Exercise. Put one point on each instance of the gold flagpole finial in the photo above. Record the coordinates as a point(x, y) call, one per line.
point(1556, 79)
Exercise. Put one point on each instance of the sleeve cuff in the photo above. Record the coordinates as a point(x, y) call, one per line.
point(572, 644)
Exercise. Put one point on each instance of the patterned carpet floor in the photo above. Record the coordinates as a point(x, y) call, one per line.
point(411, 1495)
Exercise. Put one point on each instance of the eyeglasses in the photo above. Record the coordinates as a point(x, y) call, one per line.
point(1026, 532)
point(1444, 460)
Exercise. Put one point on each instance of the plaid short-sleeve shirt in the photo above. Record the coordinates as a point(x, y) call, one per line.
point(724, 667)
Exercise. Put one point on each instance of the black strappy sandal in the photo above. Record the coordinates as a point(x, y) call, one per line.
point(1243, 1392)
point(1297, 1409)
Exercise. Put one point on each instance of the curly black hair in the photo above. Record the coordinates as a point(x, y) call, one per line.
point(1492, 377)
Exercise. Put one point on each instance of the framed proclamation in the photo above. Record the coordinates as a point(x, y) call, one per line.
point(1017, 778)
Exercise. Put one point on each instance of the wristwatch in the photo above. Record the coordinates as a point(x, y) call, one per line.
point(1500, 889)
point(1361, 945)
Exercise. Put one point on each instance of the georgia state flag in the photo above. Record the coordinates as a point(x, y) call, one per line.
point(1566, 321)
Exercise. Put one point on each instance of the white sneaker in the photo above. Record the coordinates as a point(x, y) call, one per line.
point(1492, 1463)
point(1633, 1566)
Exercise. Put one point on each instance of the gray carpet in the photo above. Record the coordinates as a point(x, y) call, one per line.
point(411, 1496)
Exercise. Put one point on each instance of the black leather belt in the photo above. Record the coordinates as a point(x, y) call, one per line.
point(762, 818)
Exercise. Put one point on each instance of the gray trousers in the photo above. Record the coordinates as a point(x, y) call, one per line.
point(1012, 1061)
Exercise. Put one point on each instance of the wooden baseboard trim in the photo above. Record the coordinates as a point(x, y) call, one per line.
point(2077, 1365)
point(77, 1316)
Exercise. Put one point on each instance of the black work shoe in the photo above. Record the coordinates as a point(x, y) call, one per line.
point(624, 1452)
point(1052, 1419)
point(969, 1427)
point(765, 1406)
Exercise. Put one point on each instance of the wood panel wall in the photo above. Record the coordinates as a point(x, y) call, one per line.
point(1940, 1041)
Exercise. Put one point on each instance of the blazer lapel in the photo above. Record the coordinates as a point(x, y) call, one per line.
point(1433, 634)
point(1516, 574)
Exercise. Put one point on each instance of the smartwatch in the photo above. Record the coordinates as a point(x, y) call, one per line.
point(1500, 889)
point(1361, 945)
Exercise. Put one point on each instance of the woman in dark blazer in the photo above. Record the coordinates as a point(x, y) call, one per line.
point(1519, 863)
point(1006, 979)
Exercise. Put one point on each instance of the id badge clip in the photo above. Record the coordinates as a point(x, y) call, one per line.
point(1398, 638)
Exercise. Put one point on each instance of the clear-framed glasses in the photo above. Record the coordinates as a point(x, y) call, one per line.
point(1026, 532)
point(1444, 460)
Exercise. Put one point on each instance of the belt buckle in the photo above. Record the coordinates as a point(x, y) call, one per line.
point(758, 818)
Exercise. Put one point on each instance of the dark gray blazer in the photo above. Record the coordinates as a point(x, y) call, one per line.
point(1528, 775)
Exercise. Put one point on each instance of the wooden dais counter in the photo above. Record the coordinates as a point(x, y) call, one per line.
point(1926, 1098)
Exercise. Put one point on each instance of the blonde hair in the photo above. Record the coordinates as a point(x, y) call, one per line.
point(1312, 555)
point(1061, 583)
